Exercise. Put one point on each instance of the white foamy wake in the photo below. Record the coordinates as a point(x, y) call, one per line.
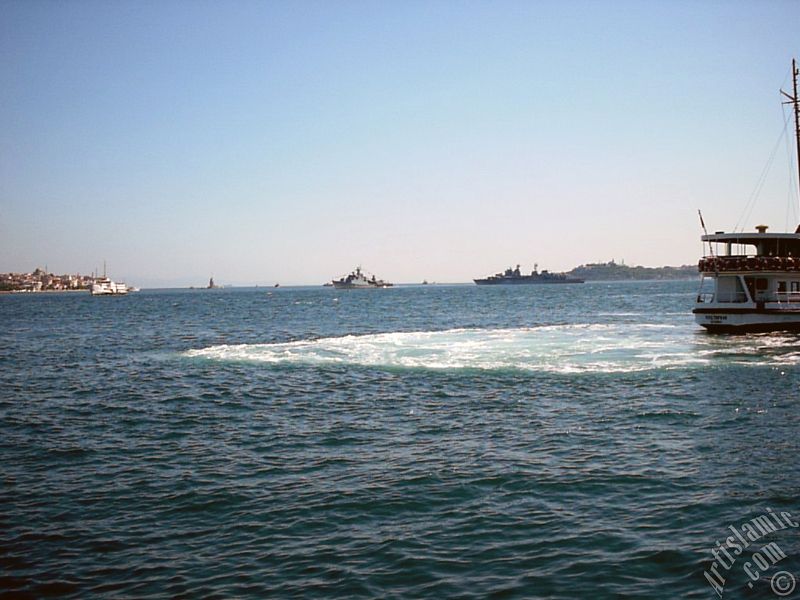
point(561, 348)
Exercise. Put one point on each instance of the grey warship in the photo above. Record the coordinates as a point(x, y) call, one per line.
point(514, 277)
point(359, 280)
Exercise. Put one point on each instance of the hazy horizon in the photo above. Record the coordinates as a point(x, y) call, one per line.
point(260, 142)
point(187, 283)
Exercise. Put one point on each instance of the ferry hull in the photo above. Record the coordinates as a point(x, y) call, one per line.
point(104, 290)
point(744, 320)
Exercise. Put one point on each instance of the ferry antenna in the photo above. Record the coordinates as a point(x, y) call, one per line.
point(795, 102)
point(702, 222)
point(710, 245)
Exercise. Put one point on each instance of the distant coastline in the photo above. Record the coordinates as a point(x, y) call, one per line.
point(40, 281)
point(64, 291)
point(612, 271)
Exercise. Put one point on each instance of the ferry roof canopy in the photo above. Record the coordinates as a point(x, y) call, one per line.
point(775, 244)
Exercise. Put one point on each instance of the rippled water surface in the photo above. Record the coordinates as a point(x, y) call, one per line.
point(425, 442)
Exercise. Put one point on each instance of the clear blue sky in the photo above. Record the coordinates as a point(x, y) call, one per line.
point(290, 141)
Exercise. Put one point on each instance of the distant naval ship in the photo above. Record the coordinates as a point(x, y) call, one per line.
point(358, 279)
point(514, 277)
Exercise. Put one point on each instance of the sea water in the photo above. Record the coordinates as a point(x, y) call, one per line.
point(568, 441)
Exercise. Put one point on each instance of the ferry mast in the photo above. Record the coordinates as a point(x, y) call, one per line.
point(795, 102)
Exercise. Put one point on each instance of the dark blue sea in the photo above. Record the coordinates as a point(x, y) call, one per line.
point(581, 441)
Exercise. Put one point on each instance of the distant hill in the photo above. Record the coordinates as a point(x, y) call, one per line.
point(611, 271)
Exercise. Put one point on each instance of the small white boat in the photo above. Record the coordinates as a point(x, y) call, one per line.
point(755, 276)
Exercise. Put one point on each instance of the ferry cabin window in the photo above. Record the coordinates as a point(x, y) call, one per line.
point(707, 286)
point(761, 284)
point(795, 286)
point(728, 289)
point(781, 287)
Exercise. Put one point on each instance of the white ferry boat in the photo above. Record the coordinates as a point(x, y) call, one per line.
point(755, 282)
point(358, 279)
point(103, 286)
point(754, 277)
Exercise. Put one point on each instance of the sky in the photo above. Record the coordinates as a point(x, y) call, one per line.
point(262, 142)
